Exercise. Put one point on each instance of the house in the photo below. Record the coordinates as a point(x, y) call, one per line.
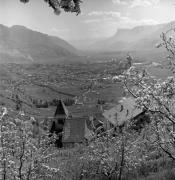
point(139, 121)
point(122, 112)
point(96, 123)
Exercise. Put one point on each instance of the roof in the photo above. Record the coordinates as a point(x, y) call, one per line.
point(74, 130)
point(122, 112)
point(78, 126)
point(84, 110)
point(61, 109)
point(88, 131)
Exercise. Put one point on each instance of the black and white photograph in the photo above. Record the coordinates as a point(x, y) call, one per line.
point(87, 89)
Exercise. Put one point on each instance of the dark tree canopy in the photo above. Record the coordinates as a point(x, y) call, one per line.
point(67, 5)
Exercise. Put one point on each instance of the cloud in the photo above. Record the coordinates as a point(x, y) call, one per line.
point(137, 3)
point(144, 3)
point(126, 22)
point(102, 16)
point(122, 2)
point(115, 17)
point(105, 13)
point(92, 21)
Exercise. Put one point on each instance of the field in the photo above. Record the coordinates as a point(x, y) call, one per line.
point(46, 82)
point(85, 82)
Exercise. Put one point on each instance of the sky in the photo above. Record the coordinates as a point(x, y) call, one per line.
point(99, 18)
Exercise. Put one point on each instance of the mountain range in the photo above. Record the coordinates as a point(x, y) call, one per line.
point(20, 44)
point(140, 38)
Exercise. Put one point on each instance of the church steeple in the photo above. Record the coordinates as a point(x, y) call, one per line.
point(61, 109)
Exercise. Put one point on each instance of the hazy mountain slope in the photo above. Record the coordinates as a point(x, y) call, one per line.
point(21, 44)
point(137, 39)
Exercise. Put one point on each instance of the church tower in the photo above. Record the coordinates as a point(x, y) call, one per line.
point(61, 114)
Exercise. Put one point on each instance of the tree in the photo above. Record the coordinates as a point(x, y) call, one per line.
point(67, 5)
point(156, 96)
point(22, 156)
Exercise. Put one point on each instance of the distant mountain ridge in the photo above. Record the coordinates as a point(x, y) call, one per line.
point(20, 44)
point(140, 38)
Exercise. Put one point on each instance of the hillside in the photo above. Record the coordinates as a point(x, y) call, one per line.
point(20, 44)
point(140, 38)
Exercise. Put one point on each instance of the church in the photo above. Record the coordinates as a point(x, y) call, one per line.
point(72, 128)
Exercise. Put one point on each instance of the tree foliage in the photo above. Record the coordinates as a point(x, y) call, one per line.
point(67, 5)
point(157, 96)
point(24, 154)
